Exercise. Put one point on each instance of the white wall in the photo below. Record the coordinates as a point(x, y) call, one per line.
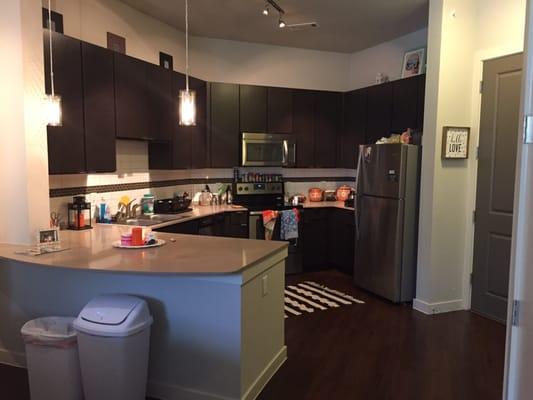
point(23, 151)
point(231, 61)
point(210, 59)
point(386, 58)
point(457, 45)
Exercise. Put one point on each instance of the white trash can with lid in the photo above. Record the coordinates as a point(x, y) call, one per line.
point(52, 359)
point(114, 343)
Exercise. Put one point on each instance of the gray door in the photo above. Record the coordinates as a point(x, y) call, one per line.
point(381, 170)
point(378, 253)
point(500, 107)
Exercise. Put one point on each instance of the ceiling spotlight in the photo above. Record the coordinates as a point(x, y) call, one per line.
point(266, 10)
point(281, 23)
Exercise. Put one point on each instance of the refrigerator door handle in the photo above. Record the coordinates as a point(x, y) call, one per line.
point(357, 208)
point(356, 201)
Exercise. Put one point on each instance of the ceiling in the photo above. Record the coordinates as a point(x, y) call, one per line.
point(344, 25)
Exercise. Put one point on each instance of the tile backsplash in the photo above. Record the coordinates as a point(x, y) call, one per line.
point(134, 179)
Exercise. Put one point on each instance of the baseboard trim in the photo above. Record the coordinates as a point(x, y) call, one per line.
point(175, 392)
point(437, 308)
point(265, 376)
point(11, 358)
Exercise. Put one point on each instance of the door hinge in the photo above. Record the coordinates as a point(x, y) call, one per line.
point(480, 86)
point(528, 129)
point(474, 216)
point(515, 318)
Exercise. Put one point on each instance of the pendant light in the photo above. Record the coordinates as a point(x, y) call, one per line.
point(52, 109)
point(187, 100)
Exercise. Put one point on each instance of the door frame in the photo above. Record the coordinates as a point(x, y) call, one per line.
point(519, 281)
point(472, 162)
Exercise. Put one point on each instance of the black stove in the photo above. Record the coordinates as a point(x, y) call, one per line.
point(259, 196)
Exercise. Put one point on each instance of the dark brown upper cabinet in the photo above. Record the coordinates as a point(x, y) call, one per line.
point(162, 116)
point(353, 130)
point(130, 98)
point(253, 108)
point(404, 104)
point(421, 95)
point(66, 143)
point(187, 147)
point(328, 110)
point(143, 100)
point(279, 110)
point(224, 125)
point(379, 112)
point(303, 120)
point(98, 108)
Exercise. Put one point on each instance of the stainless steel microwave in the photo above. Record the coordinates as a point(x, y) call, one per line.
point(268, 150)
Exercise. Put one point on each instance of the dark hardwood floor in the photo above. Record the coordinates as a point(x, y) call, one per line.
point(384, 351)
point(373, 351)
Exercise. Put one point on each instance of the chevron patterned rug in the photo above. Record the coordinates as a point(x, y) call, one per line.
point(308, 297)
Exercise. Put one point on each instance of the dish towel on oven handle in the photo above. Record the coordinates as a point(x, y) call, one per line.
point(269, 222)
point(289, 224)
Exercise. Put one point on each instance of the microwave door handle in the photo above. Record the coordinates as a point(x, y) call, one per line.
point(285, 152)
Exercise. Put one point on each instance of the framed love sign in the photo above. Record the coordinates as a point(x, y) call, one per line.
point(455, 142)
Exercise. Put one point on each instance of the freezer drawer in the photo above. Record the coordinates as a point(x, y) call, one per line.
point(379, 241)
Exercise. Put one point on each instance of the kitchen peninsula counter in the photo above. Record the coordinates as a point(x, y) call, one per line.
point(217, 304)
point(182, 254)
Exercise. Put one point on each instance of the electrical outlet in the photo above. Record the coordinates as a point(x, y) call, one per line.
point(264, 284)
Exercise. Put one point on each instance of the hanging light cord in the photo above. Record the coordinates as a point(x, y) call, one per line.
point(186, 45)
point(51, 53)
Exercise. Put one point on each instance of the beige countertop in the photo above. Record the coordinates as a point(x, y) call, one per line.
point(199, 212)
point(182, 254)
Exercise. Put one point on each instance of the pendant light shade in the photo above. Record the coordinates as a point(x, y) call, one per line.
point(187, 107)
point(187, 100)
point(53, 112)
point(52, 102)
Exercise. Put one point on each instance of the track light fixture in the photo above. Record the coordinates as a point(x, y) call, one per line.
point(266, 10)
point(281, 23)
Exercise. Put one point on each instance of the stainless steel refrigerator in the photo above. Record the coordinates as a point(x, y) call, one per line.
point(387, 220)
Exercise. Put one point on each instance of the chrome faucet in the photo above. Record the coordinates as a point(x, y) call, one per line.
point(126, 211)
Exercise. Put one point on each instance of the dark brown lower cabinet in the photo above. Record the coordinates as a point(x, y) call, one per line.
point(328, 239)
point(342, 239)
point(237, 224)
point(315, 239)
point(231, 224)
point(187, 228)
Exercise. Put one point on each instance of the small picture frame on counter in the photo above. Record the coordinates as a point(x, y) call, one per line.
point(455, 142)
point(48, 237)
